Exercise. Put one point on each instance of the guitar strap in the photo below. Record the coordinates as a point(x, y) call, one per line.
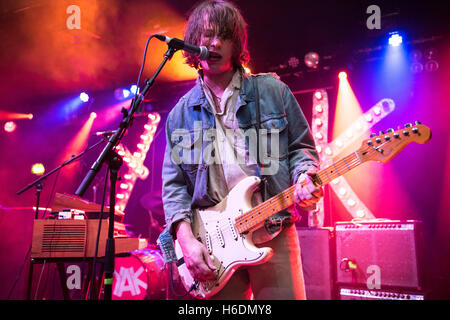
point(272, 226)
point(258, 126)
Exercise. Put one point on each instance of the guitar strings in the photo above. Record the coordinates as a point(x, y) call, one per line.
point(344, 165)
point(338, 164)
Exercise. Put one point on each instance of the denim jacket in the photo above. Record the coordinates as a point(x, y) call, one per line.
point(186, 185)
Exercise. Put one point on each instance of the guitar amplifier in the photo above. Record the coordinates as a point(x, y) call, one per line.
point(364, 294)
point(316, 253)
point(378, 254)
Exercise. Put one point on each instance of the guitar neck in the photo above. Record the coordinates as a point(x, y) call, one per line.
point(256, 216)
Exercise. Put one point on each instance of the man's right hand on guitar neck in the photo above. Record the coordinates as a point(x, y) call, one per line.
point(195, 254)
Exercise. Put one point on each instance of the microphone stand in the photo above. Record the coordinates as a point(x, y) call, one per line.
point(114, 162)
point(38, 183)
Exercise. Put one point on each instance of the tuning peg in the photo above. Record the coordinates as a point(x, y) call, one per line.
point(417, 122)
point(415, 130)
point(381, 133)
point(408, 125)
point(390, 130)
point(373, 135)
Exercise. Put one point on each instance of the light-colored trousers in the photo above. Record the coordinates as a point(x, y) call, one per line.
point(280, 278)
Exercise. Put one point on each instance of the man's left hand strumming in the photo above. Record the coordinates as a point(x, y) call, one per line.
point(306, 192)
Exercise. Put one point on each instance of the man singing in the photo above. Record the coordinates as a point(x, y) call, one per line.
point(227, 101)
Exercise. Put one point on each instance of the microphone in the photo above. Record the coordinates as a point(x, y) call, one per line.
point(201, 52)
point(105, 133)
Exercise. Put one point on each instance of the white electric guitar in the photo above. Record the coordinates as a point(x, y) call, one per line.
point(226, 229)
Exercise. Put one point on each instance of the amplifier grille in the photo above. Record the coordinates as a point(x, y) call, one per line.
point(55, 238)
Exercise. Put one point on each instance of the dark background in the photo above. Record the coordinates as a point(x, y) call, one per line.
point(42, 64)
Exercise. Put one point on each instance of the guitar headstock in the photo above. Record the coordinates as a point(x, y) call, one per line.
point(387, 145)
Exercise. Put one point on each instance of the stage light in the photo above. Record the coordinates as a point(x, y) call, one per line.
point(38, 169)
point(84, 97)
point(312, 60)
point(10, 126)
point(319, 136)
point(318, 95)
point(395, 40)
point(368, 117)
point(377, 111)
point(293, 62)
point(342, 75)
point(125, 186)
point(342, 192)
point(155, 117)
point(5, 115)
point(93, 115)
point(431, 66)
point(318, 122)
point(126, 93)
point(247, 70)
point(360, 213)
point(133, 89)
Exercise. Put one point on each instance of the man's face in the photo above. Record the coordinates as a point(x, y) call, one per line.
point(221, 52)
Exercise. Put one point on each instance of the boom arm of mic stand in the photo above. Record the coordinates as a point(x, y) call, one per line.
point(124, 125)
point(58, 168)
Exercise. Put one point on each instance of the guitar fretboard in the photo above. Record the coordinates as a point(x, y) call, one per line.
point(257, 215)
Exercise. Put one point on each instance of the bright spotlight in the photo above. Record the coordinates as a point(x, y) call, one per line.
point(133, 89)
point(84, 97)
point(10, 126)
point(395, 40)
point(126, 93)
point(318, 95)
point(38, 169)
point(342, 75)
point(93, 115)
